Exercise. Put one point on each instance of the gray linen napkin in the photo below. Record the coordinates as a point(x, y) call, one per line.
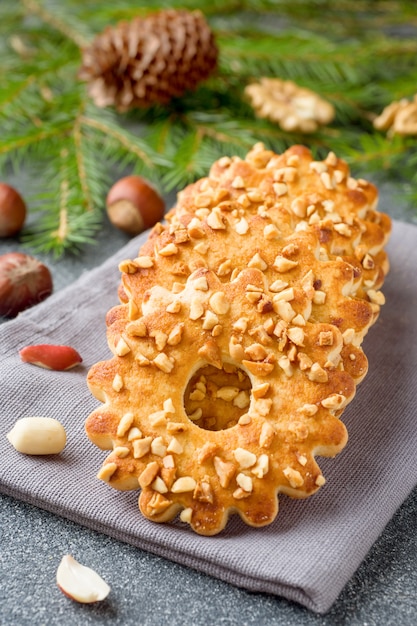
point(315, 545)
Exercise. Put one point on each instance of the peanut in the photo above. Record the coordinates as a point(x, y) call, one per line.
point(38, 435)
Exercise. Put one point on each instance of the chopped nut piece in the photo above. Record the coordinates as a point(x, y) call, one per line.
point(271, 232)
point(159, 485)
point(224, 470)
point(286, 366)
point(320, 480)
point(242, 400)
point(376, 297)
point(308, 409)
point(122, 347)
point(245, 458)
point(282, 264)
point(256, 352)
point(125, 424)
point(137, 328)
point(257, 262)
point(216, 221)
point(319, 297)
point(117, 383)
point(121, 451)
point(141, 447)
point(260, 391)
point(335, 401)
point(174, 307)
point(175, 446)
point(206, 452)
point(294, 477)
point(186, 515)
point(148, 474)
point(164, 363)
point(196, 308)
point(160, 339)
point(183, 484)
point(286, 295)
point(219, 303)
point(144, 262)
point(244, 420)
point(267, 435)
point(245, 482)
point(238, 183)
point(169, 250)
point(158, 447)
point(227, 393)
point(157, 418)
point(262, 466)
point(107, 471)
point(278, 285)
point(128, 267)
point(317, 374)
point(200, 283)
point(195, 415)
point(296, 335)
point(134, 433)
point(242, 226)
point(326, 338)
point(203, 491)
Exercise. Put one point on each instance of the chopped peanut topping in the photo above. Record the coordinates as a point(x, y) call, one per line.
point(121, 451)
point(282, 264)
point(262, 466)
point(245, 482)
point(183, 484)
point(317, 374)
point(117, 383)
point(326, 338)
point(144, 262)
point(335, 401)
point(224, 470)
point(244, 458)
point(294, 477)
point(107, 471)
point(122, 347)
point(266, 436)
point(124, 424)
point(242, 226)
point(148, 474)
point(164, 363)
point(169, 250)
point(158, 447)
point(219, 303)
point(141, 447)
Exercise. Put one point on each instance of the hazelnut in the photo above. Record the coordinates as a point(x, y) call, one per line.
point(134, 205)
point(24, 281)
point(12, 211)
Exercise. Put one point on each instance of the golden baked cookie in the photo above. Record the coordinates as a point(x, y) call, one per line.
point(237, 343)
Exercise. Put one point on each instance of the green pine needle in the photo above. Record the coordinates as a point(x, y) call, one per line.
point(349, 52)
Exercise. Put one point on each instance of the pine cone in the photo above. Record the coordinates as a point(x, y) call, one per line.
point(294, 108)
point(149, 60)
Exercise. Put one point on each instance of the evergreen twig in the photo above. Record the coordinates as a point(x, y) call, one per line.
point(349, 52)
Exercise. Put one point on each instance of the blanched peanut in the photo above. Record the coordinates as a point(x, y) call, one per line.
point(38, 435)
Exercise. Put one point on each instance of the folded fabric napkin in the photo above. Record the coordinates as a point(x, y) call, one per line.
point(315, 545)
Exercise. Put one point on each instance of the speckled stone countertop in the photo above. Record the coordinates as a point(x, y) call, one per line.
point(149, 590)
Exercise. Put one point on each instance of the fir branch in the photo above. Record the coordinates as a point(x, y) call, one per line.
point(50, 128)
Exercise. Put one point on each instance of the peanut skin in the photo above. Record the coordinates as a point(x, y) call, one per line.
point(53, 357)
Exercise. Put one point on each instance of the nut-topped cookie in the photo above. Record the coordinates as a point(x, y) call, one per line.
point(237, 343)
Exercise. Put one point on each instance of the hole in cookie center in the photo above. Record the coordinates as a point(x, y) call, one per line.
point(215, 399)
